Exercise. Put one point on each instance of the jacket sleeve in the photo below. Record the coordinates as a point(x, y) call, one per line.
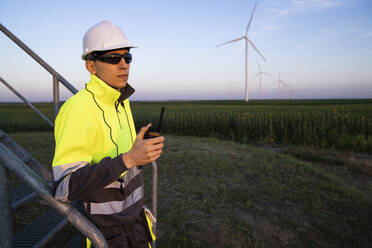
point(73, 175)
point(87, 179)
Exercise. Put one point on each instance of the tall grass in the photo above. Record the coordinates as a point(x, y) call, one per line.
point(341, 124)
point(324, 126)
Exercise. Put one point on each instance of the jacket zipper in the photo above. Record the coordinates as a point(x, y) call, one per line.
point(130, 130)
point(117, 115)
point(120, 179)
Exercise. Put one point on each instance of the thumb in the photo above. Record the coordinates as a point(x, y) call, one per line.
point(143, 130)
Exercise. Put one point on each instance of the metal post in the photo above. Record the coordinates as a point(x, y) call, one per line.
point(154, 192)
point(55, 95)
point(27, 102)
point(6, 228)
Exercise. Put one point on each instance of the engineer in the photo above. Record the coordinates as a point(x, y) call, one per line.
point(97, 150)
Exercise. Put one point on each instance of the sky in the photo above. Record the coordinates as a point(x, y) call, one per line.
point(320, 48)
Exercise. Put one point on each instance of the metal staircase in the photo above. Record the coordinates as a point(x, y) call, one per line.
point(44, 227)
point(36, 186)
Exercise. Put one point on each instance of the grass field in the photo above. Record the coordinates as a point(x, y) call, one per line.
point(215, 193)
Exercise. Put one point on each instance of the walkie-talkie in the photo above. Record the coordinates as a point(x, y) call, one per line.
point(155, 132)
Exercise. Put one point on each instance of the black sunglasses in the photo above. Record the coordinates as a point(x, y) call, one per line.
point(115, 58)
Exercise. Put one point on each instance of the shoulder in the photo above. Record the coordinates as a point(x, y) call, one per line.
point(77, 106)
point(79, 99)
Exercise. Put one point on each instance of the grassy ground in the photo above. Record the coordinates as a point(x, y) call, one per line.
point(215, 193)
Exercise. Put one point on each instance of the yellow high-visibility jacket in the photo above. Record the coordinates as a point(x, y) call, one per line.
point(92, 129)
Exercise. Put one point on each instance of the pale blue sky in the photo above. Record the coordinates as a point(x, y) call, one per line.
point(323, 48)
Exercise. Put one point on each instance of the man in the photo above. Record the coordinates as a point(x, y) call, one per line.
point(97, 150)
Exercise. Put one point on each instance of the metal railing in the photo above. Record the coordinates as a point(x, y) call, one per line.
point(56, 76)
point(27, 102)
point(44, 190)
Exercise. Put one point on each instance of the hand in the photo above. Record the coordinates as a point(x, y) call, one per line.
point(143, 151)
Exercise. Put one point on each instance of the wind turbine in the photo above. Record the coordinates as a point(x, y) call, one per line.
point(279, 82)
point(229, 90)
point(259, 74)
point(289, 91)
point(292, 94)
point(247, 40)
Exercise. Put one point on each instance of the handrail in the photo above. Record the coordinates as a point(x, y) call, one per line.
point(56, 76)
point(38, 59)
point(154, 193)
point(27, 102)
point(44, 190)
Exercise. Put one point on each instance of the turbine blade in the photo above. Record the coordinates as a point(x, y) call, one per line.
point(250, 19)
point(268, 74)
point(230, 41)
point(255, 76)
point(255, 48)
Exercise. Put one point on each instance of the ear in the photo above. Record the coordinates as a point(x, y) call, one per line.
point(90, 66)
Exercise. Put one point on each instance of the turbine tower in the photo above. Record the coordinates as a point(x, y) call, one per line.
point(247, 40)
point(279, 82)
point(289, 91)
point(292, 94)
point(259, 74)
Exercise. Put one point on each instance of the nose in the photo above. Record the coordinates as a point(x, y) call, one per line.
point(122, 64)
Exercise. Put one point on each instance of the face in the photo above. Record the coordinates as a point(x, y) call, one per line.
point(114, 75)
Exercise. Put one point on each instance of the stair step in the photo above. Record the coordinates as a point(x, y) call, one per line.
point(40, 231)
point(21, 194)
point(74, 242)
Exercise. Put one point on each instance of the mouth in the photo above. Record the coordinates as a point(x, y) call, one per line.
point(124, 76)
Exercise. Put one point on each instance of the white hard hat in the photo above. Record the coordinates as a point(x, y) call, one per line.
point(104, 36)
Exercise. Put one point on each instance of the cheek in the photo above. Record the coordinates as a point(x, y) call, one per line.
point(93, 70)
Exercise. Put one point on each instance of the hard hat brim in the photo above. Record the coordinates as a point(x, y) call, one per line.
point(107, 50)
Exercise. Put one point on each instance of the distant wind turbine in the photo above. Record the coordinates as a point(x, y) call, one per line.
point(259, 74)
point(279, 82)
point(290, 92)
point(247, 40)
point(228, 91)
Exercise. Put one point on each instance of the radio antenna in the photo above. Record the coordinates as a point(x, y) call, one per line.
point(161, 119)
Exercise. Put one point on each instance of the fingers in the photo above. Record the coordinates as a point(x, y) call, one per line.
point(156, 140)
point(154, 155)
point(143, 130)
point(158, 146)
point(149, 148)
point(145, 151)
point(153, 152)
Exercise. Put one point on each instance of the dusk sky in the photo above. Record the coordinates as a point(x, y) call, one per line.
point(322, 48)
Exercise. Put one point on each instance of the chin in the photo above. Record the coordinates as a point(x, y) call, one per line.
point(121, 85)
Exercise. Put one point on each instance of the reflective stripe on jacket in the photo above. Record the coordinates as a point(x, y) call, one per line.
point(93, 128)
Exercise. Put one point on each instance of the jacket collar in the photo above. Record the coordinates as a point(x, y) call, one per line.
point(106, 92)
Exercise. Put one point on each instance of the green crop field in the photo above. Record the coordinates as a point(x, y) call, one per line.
point(222, 193)
point(340, 124)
